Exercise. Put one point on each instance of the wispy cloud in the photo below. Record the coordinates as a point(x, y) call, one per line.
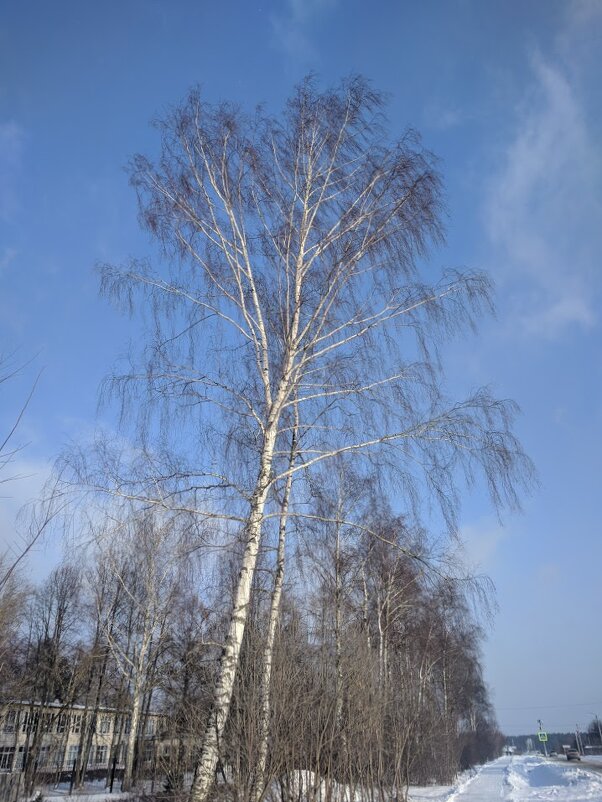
point(292, 27)
point(12, 138)
point(544, 205)
point(480, 542)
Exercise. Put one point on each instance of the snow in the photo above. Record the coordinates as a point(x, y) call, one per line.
point(526, 778)
point(101, 796)
point(434, 793)
point(520, 779)
point(539, 780)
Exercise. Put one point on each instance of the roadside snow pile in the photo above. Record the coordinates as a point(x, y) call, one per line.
point(532, 779)
point(306, 786)
point(441, 793)
point(101, 796)
point(429, 793)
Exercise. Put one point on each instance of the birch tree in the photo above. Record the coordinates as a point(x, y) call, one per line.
point(296, 278)
point(139, 557)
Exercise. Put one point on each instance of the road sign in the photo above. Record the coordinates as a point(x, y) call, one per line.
point(543, 736)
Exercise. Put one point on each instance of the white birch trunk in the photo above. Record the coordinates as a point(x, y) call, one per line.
point(205, 769)
point(265, 710)
point(381, 640)
point(365, 611)
point(128, 771)
point(339, 734)
point(139, 666)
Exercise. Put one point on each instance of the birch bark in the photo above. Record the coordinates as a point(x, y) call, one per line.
point(205, 771)
point(258, 780)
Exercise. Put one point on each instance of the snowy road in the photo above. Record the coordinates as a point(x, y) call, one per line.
point(530, 779)
point(524, 779)
point(489, 783)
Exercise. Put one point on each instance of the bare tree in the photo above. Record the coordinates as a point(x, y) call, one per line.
point(9, 370)
point(39, 515)
point(186, 680)
point(50, 669)
point(295, 282)
point(139, 555)
point(14, 593)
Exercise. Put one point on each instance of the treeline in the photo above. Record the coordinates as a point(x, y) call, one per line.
point(258, 559)
point(588, 738)
point(375, 679)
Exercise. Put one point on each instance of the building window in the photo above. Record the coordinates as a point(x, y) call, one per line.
point(20, 762)
point(150, 726)
point(29, 722)
point(59, 758)
point(105, 725)
point(62, 722)
point(72, 754)
point(76, 723)
point(43, 757)
point(7, 755)
point(101, 755)
point(10, 721)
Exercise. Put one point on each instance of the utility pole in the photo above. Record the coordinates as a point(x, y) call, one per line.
point(578, 739)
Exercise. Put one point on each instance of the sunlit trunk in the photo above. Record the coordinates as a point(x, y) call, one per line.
point(258, 781)
point(205, 770)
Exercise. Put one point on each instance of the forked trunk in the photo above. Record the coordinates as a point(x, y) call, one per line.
point(205, 769)
point(258, 771)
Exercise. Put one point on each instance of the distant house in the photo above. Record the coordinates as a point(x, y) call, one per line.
point(55, 735)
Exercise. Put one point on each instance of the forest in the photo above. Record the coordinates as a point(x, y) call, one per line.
point(375, 676)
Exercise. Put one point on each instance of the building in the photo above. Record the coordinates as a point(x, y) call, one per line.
point(55, 734)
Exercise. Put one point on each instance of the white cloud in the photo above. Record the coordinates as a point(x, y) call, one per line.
point(12, 137)
point(291, 28)
point(544, 206)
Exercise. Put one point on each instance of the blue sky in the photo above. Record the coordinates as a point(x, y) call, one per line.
point(506, 94)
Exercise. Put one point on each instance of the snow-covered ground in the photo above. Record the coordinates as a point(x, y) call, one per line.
point(521, 779)
point(508, 779)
